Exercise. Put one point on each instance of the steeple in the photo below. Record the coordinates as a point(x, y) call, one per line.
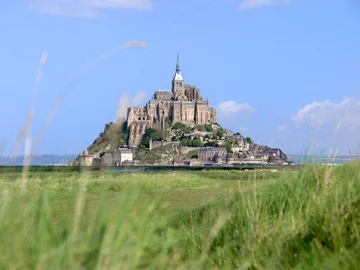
point(177, 76)
point(178, 82)
point(177, 62)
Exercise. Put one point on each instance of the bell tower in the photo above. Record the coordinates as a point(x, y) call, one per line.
point(178, 87)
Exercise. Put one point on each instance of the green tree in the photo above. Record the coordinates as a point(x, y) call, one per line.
point(249, 140)
point(200, 128)
point(179, 126)
point(196, 143)
point(219, 133)
point(145, 142)
point(208, 128)
point(154, 134)
point(184, 142)
point(228, 147)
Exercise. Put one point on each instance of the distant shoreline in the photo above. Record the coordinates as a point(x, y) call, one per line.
point(64, 160)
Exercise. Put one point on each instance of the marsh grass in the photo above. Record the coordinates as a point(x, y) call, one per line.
point(182, 220)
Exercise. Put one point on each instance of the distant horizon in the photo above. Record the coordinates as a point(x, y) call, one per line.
point(288, 155)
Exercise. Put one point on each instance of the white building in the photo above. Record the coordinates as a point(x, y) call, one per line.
point(126, 156)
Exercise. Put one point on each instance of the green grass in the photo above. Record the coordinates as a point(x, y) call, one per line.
point(305, 219)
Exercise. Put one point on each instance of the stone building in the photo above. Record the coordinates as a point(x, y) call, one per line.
point(125, 155)
point(107, 159)
point(116, 158)
point(85, 159)
point(212, 153)
point(182, 104)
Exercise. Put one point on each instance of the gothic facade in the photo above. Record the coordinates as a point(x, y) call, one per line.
point(182, 104)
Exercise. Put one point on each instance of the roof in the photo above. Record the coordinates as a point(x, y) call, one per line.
point(178, 76)
point(167, 92)
point(211, 149)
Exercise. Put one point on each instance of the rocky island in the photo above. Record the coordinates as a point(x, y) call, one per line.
point(175, 127)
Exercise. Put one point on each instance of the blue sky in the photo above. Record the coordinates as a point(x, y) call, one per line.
point(284, 72)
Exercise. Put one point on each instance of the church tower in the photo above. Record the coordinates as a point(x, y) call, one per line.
point(178, 87)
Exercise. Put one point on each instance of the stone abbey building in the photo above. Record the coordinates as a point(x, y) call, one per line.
point(182, 104)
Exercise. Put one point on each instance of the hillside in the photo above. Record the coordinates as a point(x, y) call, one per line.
point(116, 135)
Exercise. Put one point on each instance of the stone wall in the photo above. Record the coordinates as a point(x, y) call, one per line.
point(155, 145)
point(185, 149)
point(86, 160)
point(248, 161)
point(198, 162)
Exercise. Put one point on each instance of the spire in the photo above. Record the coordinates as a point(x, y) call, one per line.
point(177, 76)
point(177, 61)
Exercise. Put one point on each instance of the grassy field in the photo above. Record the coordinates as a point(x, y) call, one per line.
point(303, 219)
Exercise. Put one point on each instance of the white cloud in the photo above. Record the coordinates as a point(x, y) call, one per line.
point(231, 107)
point(325, 125)
point(249, 4)
point(86, 8)
point(346, 112)
point(281, 128)
point(134, 44)
point(233, 115)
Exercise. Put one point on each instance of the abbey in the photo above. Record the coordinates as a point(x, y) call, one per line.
point(182, 104)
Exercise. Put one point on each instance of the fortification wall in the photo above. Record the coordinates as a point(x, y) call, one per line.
point(198, 162)
point(155, 145)
point(247, 160)
point(185, 150)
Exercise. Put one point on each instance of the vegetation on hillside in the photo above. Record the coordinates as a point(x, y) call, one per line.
point(249, 140)
point(191, 142)
point(113, 136)
point(228, 147)
point(306, 219)
point(152, 134)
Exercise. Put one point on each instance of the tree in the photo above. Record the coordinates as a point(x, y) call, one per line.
point(154, 134)
point(249, 140)
point(219, 133)
point(196, 143)
point(208, 128)
point(184, 142)
point(178, 125)
point(200, 128)
point(145, 142)
point(228, 147)
point(150, 132)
